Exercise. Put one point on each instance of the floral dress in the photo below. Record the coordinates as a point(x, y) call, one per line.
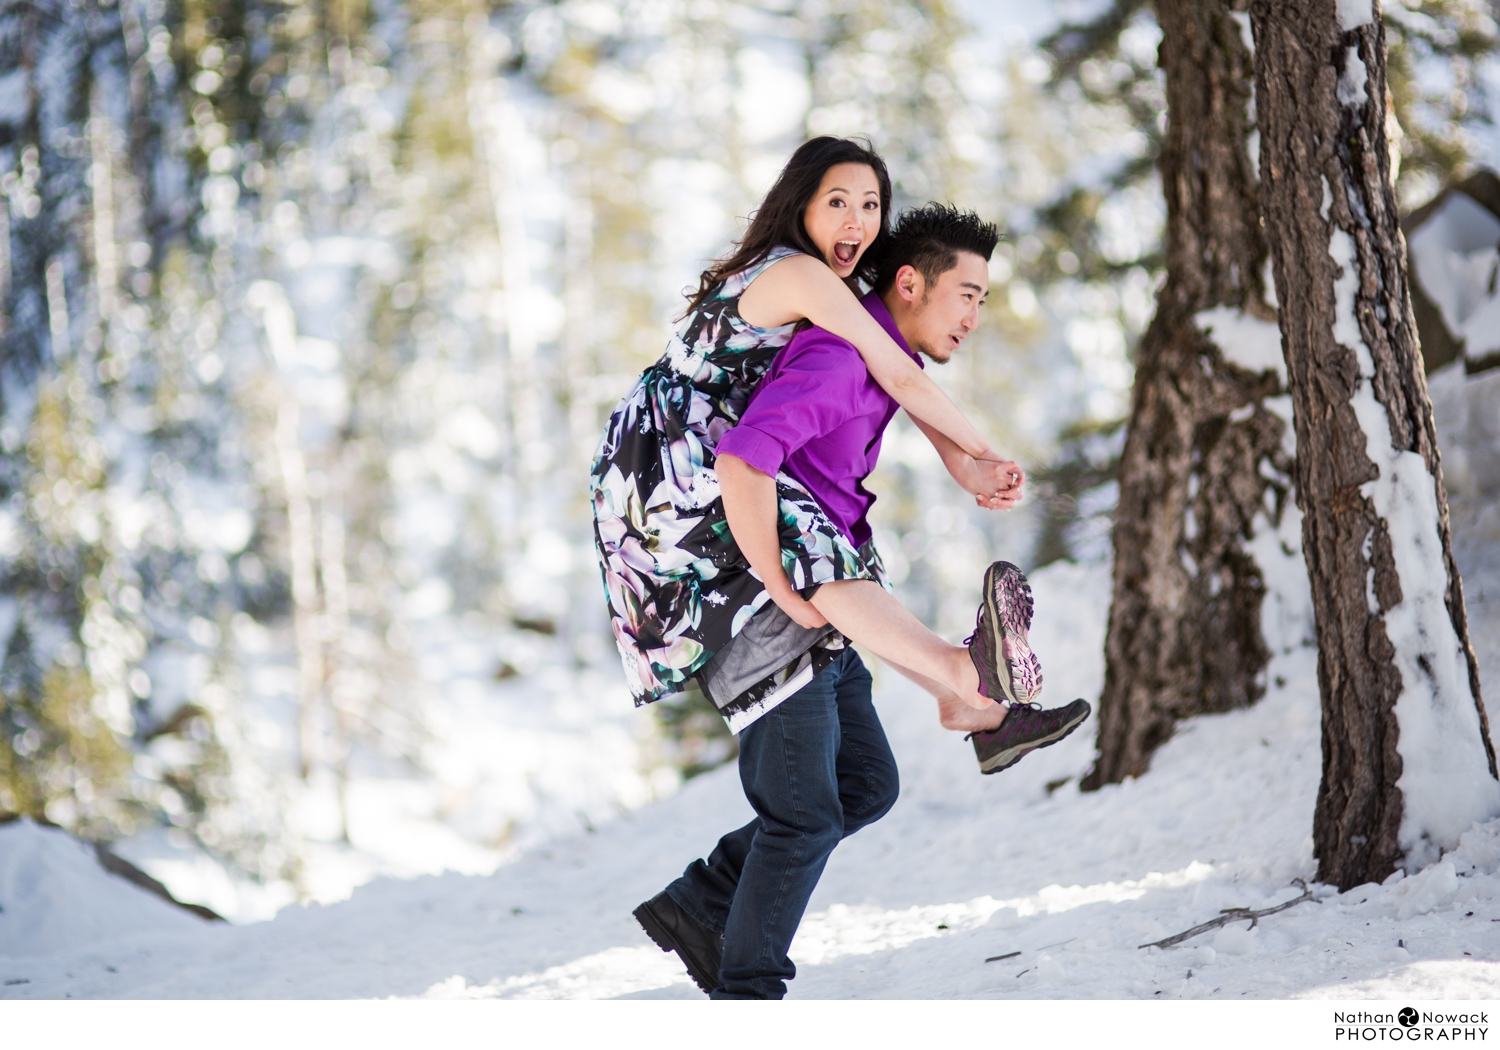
point(678, 588)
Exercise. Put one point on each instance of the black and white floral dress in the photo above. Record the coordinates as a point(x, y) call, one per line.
point(679, 590)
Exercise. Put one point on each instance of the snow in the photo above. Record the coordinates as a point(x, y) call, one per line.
point(1445, 781)
point(1286, 611)
point(1481, 334)
point(1465, 409)
point(1247, 341)
point(1355, 13)
point(1455, 259)
point(1352, 82)
point(1468, 420)
point(1430, 889)
point(964, 868)
point(56, 897)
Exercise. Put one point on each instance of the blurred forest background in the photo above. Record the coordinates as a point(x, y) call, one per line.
point(314, 309)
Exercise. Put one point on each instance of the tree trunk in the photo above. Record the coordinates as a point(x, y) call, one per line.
point(1407, 760)
point(1202, 447)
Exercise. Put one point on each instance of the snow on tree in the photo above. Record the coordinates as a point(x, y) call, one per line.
point(1451, 244)
point(312, 317)
point(313, 313)
point(125, 493)
point(1209, 575)
point(1207, 460)
point(1408, 765)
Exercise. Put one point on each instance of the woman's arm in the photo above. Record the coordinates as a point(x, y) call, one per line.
point(994, 484)
point(800, 286)
point(750, 508)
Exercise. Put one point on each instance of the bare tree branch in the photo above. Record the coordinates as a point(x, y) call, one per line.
point(1233, 915)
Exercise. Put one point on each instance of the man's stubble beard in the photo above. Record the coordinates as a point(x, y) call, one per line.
point(931, 355)
point(923, 348)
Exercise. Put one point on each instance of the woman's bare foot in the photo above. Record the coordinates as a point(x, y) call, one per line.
point(954, 714)
point(967, 676)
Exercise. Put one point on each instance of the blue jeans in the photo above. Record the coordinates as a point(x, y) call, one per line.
point(816, 769)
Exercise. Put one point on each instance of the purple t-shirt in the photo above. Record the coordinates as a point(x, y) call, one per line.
point(818, 416)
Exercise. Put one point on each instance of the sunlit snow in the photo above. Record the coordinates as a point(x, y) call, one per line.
point(965, 868)
point(1445, 781)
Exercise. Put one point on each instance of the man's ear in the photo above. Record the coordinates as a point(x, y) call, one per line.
point(909, 283)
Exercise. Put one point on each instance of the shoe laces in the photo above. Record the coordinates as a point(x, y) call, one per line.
point(1012, 706)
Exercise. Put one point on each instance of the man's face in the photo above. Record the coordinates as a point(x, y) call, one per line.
point(938, 317)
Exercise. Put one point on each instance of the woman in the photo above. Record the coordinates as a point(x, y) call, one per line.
point(679, 589)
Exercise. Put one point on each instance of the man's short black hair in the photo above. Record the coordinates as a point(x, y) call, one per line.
point(929, 239)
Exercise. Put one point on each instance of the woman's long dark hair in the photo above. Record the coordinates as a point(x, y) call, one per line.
point(778, 220)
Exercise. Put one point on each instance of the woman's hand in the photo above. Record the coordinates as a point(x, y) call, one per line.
point(803, 612)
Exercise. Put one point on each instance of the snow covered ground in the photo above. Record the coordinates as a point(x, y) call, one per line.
point(963, 869)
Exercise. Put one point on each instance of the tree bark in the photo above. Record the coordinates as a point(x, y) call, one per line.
point(1394, 658)
point(1202, 447)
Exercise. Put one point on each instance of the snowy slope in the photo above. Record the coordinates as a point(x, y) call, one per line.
point(56, 898)
point(965, 867)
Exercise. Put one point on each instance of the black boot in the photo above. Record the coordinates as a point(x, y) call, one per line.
point(674, 930)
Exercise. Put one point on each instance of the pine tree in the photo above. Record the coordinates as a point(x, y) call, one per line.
point(1207, 468)
point(1407, 760)
point(1204, 467)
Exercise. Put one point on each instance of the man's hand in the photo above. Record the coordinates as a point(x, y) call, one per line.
point(805, 613)
point(996, 484)
point(750, 511)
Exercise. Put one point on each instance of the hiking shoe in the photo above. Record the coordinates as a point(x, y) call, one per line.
point(674, 930)
point(1008, 669)
point(1026, 728)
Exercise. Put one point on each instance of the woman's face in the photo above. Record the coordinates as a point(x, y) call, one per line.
point(843, 218)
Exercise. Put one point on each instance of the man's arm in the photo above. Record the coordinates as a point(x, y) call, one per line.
point(809, 392)
point(751, 508)
point(994, 484)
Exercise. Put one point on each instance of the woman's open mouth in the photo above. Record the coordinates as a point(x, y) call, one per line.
point(845, 251)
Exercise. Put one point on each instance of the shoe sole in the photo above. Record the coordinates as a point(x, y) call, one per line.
point(662, 937)
point(1009, 757)
point(1007, 597)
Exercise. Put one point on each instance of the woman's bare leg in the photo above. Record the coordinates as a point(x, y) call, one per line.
point(953, 713)
point(868, 614)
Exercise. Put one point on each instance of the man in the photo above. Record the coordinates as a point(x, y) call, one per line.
point(816, 766)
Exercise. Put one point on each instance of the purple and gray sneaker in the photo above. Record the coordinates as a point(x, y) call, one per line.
point(1008, 669)
point(1026, 728)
